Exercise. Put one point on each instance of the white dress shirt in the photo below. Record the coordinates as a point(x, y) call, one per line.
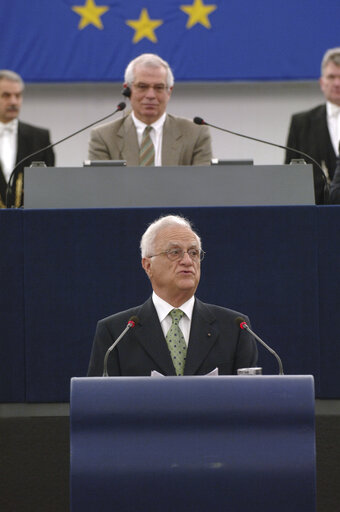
point(8, 146)
point(156, 135)
point(163, 309)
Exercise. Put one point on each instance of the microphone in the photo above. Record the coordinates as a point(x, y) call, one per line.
point(119, 108)
point(133, 321)
point(243, 325)
point(199, 120)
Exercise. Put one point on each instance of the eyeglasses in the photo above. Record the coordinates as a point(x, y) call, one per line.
point(142, 87)
point(178, 254)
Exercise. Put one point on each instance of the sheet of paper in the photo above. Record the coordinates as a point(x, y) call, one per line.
point(213, 373)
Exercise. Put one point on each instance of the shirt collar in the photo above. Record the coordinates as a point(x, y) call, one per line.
point(12, 126)
point(332, 109)
point(163, 308)
point(157, 125)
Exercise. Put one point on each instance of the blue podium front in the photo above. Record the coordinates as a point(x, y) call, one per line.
point(173, 444)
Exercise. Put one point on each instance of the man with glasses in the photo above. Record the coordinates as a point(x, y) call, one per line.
point(317, 131)
point(175, 333)
point(148, 136)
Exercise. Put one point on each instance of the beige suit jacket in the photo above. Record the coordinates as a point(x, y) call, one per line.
point(184, 143)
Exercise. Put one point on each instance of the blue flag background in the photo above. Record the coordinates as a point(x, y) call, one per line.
point(203, 40)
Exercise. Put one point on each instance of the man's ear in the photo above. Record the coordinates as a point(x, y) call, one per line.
point(146, 264)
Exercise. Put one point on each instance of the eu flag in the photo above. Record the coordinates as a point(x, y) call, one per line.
point(206, 40)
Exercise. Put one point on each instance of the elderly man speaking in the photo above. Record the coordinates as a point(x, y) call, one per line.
point(175, 333)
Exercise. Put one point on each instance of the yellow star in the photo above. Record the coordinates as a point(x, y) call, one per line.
point(90, 14)
point(198, 13)
point(144, 27)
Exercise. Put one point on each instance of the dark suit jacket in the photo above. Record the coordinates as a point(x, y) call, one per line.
point(30, 139)
point(335, 185)
point(309, 133)
point(183, 143)
point(215, 341)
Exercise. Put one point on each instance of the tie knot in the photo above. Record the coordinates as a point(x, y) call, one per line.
point(147, 130)
point(176, 315)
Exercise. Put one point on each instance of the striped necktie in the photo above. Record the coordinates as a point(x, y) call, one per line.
point(176, 342)
point(147, 149)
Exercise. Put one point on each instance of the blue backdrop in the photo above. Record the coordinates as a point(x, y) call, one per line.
point(93, 40)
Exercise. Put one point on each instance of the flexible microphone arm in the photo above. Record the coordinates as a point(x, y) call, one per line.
point(120, 107)
point(134, 320)
point(243, 325)
point(199, 120)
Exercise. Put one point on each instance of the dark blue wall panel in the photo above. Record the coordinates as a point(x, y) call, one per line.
point(12, 318)
point(329, 299)
point(64, 270)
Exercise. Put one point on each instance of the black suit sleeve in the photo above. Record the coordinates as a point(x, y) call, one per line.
point(47, 156)
point(40, 139)
point(303, 135)
point(293, 140)
point(246, 354)
point(103, 339)
point(31, 139)
point(335, 185)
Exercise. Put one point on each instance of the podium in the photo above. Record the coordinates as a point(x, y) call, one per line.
point(129, 187)
point(193, 444)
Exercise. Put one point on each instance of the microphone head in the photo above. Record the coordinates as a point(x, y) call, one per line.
point(121, 105)
point(240, 322)
point(133, 321)
point(199, 120)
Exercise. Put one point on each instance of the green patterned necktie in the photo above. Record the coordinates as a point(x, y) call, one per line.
point(147, 149)
point(176, 342)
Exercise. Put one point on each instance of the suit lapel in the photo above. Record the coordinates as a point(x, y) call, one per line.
point(150, 335)
point(203, 336)
point(23, 150)
point(128, 142)
point(3, 188)
point(172, 141)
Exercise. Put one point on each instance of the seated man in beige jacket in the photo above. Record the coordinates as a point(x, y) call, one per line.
point(148, 135)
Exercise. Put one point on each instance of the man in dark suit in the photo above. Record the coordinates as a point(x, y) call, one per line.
point(174, 140)
point(317, 131)
point(17, 139)
point(176, 333)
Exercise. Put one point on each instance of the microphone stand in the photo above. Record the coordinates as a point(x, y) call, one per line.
point(200, 121)
point(120, 106)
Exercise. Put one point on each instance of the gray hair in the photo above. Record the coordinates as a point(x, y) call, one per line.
point(148, 60)
point(148, 238)
point(6, 74)
point(331, 55)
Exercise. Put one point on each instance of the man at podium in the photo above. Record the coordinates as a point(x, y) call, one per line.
point(174, 332)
